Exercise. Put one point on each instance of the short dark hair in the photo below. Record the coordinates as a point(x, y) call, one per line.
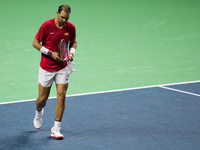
point(64, 8)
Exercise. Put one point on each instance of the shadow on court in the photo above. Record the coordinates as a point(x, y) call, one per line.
point(147, 118)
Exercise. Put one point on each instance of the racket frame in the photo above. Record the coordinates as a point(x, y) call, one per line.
point(59, 49)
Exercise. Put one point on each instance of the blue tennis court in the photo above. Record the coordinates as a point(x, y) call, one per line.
point(140, 118)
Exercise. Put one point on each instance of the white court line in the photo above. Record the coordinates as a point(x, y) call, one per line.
point(172, 89)
point(101, 92)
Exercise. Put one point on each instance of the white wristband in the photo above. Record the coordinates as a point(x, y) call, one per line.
point(44, 50)
point(72, 50)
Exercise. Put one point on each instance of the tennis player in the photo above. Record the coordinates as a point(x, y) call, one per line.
point(51, 67)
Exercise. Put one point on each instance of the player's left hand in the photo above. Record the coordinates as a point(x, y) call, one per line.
point(70, 57)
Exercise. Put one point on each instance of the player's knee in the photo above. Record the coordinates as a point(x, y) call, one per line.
point(61, 95)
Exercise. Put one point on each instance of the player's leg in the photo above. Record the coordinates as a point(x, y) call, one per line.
point(60, 106)
point(43, 96)
point(61, 79)
point(45, 80)
point(40, 103)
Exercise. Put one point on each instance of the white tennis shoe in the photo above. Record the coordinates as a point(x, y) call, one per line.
point(37, 121)
point(55, 132)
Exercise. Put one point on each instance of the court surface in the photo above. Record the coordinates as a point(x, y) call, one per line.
point(147, 48)
point(156, 117)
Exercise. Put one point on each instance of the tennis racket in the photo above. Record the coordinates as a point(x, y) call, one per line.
point(62, 50)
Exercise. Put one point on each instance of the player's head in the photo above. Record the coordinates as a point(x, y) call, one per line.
point(64, 8)
point(63, 14)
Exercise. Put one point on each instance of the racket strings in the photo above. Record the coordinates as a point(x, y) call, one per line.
point(63, 50)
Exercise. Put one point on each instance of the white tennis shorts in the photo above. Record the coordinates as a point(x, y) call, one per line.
point(46, 78)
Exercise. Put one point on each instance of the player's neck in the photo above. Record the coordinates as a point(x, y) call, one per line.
point(58, 25)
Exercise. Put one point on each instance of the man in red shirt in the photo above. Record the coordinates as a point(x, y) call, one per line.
point(51, 67)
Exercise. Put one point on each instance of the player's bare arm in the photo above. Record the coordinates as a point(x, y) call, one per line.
point(36, 44)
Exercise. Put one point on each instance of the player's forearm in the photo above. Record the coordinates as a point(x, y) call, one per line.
point(42, 49)
point(36, 44)
point(73, 44)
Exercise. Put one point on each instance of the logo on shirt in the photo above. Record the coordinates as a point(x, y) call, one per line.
point(67, 33)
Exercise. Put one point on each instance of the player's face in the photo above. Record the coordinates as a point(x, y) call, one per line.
point(62, 17)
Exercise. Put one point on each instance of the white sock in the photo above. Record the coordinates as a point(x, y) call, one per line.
point(38, 112)
point(57, 124)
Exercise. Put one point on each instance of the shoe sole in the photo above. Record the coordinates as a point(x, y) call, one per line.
point(56, 137)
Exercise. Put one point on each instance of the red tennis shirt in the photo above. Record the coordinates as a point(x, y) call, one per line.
point(50, 36)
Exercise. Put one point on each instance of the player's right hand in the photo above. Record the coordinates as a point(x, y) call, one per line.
point(55, 56)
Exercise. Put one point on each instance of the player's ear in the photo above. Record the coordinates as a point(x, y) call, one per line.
point(57, 13)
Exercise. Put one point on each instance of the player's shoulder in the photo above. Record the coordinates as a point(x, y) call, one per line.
point(49, 22)
point(70, 25)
